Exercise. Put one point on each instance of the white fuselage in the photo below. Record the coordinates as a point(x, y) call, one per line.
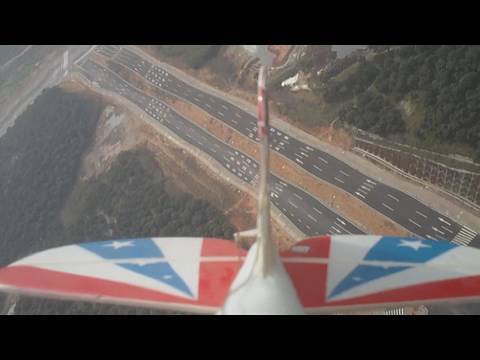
point(254, 294)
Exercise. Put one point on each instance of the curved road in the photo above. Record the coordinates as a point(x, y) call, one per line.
point(396, 205)
point(302, 209)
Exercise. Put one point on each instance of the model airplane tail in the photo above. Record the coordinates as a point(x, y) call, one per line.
point(266, 249)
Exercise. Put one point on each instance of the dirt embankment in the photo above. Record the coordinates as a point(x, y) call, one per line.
point(281, 53)
point(188, 174)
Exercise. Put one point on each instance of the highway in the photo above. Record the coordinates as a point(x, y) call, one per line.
point(394, 204)
point(307, 213)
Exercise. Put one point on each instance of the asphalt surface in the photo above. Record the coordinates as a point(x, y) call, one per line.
point(303, 210)
point(396, 205)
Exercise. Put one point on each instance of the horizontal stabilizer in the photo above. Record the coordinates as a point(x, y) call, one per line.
point(185, 274)
point(349, 272)
point(338, 273)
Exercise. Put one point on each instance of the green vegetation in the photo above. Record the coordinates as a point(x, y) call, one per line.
point(39, 160)
point(194, 56)
point(373, 113)
point(441, 82)
point(40, 157)
point(130, 200)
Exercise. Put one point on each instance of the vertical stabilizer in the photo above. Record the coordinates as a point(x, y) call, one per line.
point(266, 248)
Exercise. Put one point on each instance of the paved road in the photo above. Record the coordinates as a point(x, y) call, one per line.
point(302, 209)
point(396, 205)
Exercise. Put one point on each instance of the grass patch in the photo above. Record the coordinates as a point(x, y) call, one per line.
point(349, 71)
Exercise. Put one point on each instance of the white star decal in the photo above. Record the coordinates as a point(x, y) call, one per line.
point(415, 244)
point(119, 244)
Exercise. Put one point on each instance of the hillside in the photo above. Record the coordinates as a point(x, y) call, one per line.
point(40, 162)
point(421, 95)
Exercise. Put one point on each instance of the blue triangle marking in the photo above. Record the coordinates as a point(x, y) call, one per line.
point(363, 274)
point(398, 249)
point(161, 271)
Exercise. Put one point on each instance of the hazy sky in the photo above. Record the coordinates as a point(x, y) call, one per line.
point(344, 50)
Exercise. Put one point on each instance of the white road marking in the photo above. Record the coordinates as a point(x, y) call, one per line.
point(341, 227)
point(413, 222)
point(339, 180)
point(308, 226)
point(341, 221)
point(299, 161)
point(311, 217)
point(444, 221)
point(444, 228)
point(317, 210)
point(437, 230)
point(371, 182)
point(325, 161)
point(316, 167)
point(469, 230)
point(365, 188)
point(458, 241)
point(208, 105)
point(238, 115)
point(392, 197)
point(388, 207)
point(357, 193)
point(298, 196)
point(464, 236)
point(334, 228)
point(344, 173)
point(295, 206)
point(223, 106)
point(419, 213)
point(220, 113)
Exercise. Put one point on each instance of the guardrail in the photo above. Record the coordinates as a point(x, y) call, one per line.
point(396, 169)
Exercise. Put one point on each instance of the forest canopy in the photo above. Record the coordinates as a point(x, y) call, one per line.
point(40, 158)
point(422, 95)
